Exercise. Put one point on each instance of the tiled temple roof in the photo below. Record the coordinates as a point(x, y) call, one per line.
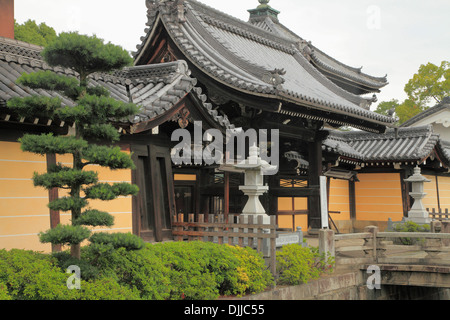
point(406, 144)
point(322, 60)
point(155, 88)
point(250, 59)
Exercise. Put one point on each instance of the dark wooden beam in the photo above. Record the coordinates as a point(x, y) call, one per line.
point(314, 173)
point(294, 192)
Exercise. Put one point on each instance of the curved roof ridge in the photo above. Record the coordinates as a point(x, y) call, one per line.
point(357, 75)
point(358, 70)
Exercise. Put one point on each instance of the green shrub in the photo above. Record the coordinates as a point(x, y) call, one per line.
point(189, 274)
point(322, 263)
point(141, 270)
point(253, 275)
point(33, 276)
point(4, 295)
point(27, 275)
point(297, 264)
point(411, 226)
point(106, 289)
point(166, 271)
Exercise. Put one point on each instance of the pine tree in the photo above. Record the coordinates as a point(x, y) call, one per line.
point(91, 115)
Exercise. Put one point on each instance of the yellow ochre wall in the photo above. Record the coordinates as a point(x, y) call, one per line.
point(379, 197)
point(339, 199)
point(431, 189)
point(444, 192)
point(23, 207)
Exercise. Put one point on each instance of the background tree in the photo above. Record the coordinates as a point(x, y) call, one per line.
point(429, 86)
point(91, 115)
point(387, 108)
point(31, 32)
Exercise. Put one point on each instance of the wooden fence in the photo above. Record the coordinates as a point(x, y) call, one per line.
point(233, 230)
point(439, 215)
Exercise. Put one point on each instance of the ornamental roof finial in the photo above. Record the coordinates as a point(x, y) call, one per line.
point(262, 11)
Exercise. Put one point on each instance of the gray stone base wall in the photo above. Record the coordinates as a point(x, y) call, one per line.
point(349, 286)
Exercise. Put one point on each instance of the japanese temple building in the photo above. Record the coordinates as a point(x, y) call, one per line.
point(198, 64)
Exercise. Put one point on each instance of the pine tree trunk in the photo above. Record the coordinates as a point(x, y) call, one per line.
point(75, 251)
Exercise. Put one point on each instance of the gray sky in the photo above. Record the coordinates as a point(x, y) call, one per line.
point(391, 37)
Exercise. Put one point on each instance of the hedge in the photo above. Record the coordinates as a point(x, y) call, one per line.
point(168, 271)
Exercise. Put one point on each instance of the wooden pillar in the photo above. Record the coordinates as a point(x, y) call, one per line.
point(55, 218)
point(226, 199)
point(314, 173)
point(352, 199)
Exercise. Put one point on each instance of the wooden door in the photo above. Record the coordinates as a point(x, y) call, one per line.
point(155, 204)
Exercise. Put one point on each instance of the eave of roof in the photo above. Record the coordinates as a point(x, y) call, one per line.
point(404, 144)
point(443, 105)
point(240, 55)
point(155, 88)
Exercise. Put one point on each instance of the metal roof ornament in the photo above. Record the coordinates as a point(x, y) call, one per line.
point(274, 77)
point(263, 3)
point(263, 10)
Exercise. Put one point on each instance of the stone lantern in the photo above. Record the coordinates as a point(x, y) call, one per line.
point(418, 213)
point(254, 168)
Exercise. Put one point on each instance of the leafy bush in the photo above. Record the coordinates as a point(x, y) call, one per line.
point(28, 275)
point(166, 271)
point(107, 289)
point(32, 276)
point(4, 295)
point(141, 270)
point(411, 226)
point(297, 264)
point(189, 270)
point(253, 275)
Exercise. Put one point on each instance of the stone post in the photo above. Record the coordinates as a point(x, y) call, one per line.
point(373, 230)
point(327, 243)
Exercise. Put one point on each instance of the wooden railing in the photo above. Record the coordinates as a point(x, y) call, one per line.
point(233, 230)
point(372, 246)
point(439, 214)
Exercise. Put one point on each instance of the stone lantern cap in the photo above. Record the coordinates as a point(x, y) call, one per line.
point(254, 161)
point(417, 176)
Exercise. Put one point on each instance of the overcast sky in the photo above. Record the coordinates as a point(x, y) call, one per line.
point(392, 37)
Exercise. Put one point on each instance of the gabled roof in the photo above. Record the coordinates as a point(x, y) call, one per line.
point(155, 88)
point(406, 144)
point(250, 59)
point(442, 106)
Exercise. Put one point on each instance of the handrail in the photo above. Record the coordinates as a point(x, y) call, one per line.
point(377, 249)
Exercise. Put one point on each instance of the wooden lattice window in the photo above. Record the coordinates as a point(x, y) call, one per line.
point(293, 183)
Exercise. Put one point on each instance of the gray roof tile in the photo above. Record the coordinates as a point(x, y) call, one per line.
point(240, 54)
point(156, 88)
point(408, 144)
